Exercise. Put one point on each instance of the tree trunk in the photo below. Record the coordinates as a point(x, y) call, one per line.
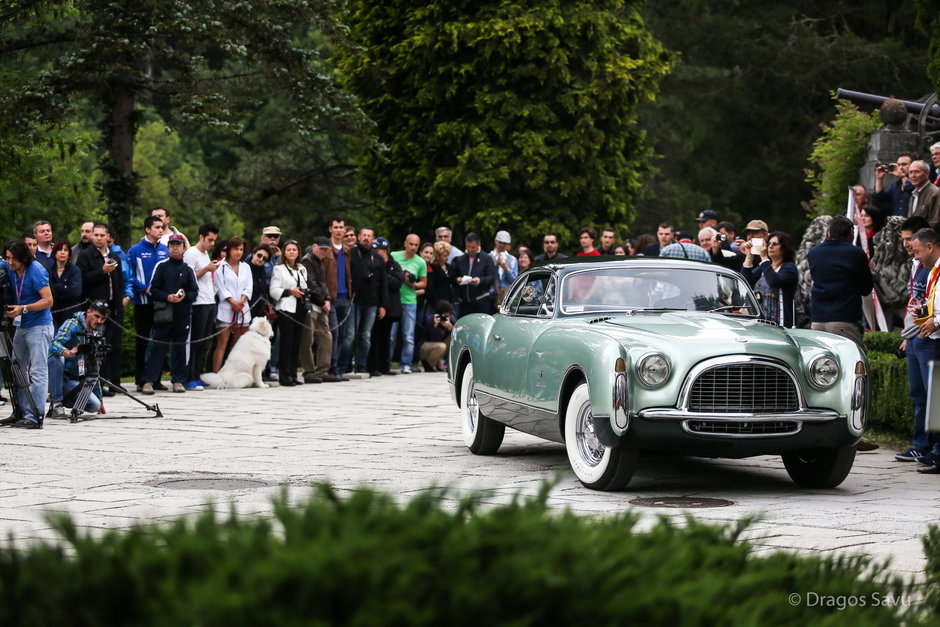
point(120, 188)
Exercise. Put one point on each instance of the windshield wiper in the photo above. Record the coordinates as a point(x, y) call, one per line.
point(732, 308)
point(656, 309)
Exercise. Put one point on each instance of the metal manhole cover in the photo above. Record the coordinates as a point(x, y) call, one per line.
point(210, 483)
point(681, 502)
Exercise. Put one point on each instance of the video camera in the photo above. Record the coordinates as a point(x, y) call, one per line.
point(94, 346)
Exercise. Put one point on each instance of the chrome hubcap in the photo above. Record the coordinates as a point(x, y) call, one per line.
point(591, 449)
point(473, 407)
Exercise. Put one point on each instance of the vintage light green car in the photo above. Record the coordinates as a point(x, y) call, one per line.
point(616, 357)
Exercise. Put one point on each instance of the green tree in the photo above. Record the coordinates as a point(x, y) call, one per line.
point(837, 156)
point(198, 62)
point(503, 115)
point(737, 119)
point(928, 20)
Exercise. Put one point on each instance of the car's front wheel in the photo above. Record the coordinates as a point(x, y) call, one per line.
point(482, 435)
point(596, 466)
point(820, 468)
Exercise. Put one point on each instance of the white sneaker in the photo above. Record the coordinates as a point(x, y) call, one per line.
point(406, 369)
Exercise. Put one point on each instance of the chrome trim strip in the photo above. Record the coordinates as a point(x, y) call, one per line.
point(503, 399)
point(701, 434)
point(730, 360)
point(806, 415)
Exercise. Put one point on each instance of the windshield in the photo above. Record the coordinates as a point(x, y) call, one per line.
point(656, 289)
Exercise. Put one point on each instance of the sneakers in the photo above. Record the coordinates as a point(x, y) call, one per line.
point(406, 369)
point(195, 386)
point(160, 387)
point(910, 455)
point(146, 388)
point(930, 459)
point(178, 387)
point(59, 412)
point(26, 423)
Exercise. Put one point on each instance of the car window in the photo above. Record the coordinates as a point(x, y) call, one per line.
point(656, 288)
point(528, 298)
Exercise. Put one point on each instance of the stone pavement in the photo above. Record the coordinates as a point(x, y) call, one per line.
point(400, 434)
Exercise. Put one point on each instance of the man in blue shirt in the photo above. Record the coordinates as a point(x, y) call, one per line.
point(144, 256)
point(29, 299)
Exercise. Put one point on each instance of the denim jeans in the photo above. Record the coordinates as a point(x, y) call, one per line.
point(407, 325)
point(60, 387)
point(338, 320)
point(93, 404)
point(31, 345)
point(920, 352)
point(359, 325)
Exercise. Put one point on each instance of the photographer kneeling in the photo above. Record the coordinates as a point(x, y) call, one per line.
point(437, 329)
point(73, 343)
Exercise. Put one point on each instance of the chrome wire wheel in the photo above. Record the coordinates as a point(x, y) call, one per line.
point(596, 465)
point(481, 435)
point(590, 448)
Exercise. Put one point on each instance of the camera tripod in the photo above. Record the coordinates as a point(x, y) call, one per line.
point(90, 380)
point(13, 378)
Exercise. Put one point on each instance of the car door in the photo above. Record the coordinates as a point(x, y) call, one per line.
point(520, 321)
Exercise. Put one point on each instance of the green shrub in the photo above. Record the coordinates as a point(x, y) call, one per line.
point(882, 342)
point(891, 408)
point(367, 561)
point(932, 550)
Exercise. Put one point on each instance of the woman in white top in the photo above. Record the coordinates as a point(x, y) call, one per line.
point(233, 283)
point(288, 288)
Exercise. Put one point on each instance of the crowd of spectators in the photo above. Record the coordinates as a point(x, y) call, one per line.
point(352, 301)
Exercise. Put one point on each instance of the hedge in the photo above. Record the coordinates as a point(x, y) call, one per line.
point(365, 560)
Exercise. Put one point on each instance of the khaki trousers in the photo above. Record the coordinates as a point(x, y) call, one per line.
point(316, 330)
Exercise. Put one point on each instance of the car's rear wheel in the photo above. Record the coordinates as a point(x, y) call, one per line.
point(820, 468)
point(596, 466)
point(482, 435)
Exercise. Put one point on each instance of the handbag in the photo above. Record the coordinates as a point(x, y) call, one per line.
point(162, 312)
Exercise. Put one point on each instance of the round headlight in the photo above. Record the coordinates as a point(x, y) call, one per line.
point(824, 371)
point(653, 370)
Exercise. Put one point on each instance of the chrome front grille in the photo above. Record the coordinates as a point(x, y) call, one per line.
point(718, 427)
point(744, 388)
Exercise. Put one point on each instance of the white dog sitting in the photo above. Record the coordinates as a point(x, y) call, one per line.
point(247, 359)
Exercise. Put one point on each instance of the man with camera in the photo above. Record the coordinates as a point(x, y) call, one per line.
point(437, 329)
point(894, 198)
point(712, 241)
point(173, 289)
point(80, 338)
point(28, 298)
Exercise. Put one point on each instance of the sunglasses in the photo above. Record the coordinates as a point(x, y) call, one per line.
point(261, 256)
point(772, 244)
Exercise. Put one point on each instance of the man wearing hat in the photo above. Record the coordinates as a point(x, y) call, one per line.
point(707, 218)
point(507, 266)
point(173, 283)
point(317, 329)
point(271, 237)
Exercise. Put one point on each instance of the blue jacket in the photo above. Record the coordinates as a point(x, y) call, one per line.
point(144, 256)
point(841, 277)
point(126, 270)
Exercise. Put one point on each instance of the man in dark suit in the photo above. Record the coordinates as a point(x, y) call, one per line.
point(103, 280)
point(474, 276)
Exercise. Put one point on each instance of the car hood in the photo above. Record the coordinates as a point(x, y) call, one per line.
point(701, 334)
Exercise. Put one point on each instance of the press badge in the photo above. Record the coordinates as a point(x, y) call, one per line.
point(81, 366)
point(17, 320)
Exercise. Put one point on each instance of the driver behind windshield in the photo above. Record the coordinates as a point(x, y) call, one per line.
point(65, 375)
